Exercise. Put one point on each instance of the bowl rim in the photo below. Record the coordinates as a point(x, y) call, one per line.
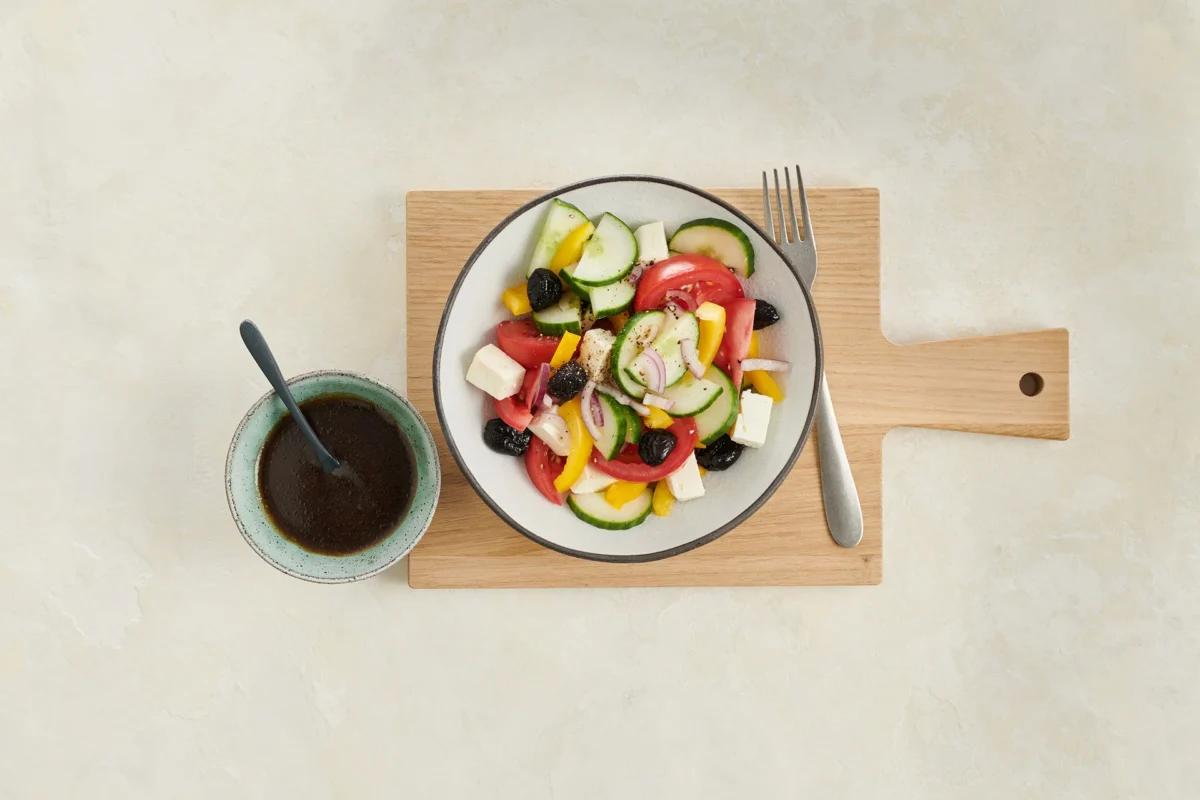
point(678, 549)
point(241, 526)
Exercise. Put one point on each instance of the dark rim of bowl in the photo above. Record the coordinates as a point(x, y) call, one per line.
point(708, 537)
point(237, 518)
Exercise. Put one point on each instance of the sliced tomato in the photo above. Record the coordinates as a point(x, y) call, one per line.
point(543, 467)
point(712, 279)
point(527, 384)
point(714, 293)
point(639, 471)
point(514, 412)
point(739, 327)
point(629, 455)
point(523, 344)
point(526, 393)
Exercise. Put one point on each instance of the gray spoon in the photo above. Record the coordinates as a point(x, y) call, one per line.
point(258, 348)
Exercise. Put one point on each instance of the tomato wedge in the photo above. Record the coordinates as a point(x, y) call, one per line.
point(639, 471)
point(715, 283)
point(543, 467)
point(519, 338)
point(739, 327)
point(527, 387)
point(514, 412)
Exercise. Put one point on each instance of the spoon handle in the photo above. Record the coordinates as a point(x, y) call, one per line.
point(257, 345)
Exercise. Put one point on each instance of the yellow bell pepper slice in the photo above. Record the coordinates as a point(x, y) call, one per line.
point(663, 499)
point(565, 350)
point(571, 247)
point(621, 492)
point(712, 330)
point(658, 419)
point(516, 300)
point(581, 445)
point(760, 380)
point(763, 383)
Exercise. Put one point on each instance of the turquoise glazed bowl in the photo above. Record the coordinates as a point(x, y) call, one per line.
point(246, 504)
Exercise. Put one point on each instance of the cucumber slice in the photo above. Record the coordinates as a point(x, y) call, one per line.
point(605, 300)
point(719, 417)
point(612, 430)
point(609, 255)
point(561, 219)
point(611, 299)
point(565, 315)
point(595, 510)
point(692, 395)
point(633, 426)
point(717, 239)
point(567, 274)
point(680, 325)
point(638, 332)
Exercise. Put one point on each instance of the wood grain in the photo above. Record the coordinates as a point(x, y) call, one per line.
point(964, 384)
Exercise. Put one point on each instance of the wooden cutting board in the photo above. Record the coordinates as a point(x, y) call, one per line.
point(962, 384)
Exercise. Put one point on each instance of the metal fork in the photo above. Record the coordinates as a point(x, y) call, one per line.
point(843, 512)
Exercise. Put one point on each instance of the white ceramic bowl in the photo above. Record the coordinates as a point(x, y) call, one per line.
point(473, 310)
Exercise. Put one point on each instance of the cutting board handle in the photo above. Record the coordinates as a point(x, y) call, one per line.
point(1015, 384)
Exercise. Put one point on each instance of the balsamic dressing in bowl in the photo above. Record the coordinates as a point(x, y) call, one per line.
point(356, 506)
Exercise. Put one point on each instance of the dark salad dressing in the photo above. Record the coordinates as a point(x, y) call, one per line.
point(356, 506)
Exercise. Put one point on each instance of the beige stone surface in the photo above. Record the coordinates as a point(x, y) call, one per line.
point(167, 169)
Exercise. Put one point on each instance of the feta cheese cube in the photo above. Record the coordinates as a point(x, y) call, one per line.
point(592, 480)
point(594, 353)
point(685, 483)
point(752, 420)
point(652, 242)
point(495, 373)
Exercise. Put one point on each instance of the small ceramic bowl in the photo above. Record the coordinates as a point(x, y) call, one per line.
point(470, 317)
point(246, 504)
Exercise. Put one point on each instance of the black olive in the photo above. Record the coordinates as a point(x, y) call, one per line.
point(655, 446)
point(719, 455)
point(543, 289)
point(567, 382)
point(765, 314)
point(503, 438)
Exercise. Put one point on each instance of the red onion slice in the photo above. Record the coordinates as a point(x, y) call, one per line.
point(622, 398)
point(538, 392)
point(666, 404)
point(747, 291)
point(691, 357)
point(685, 300)
point(765, 365)
point(593, 415)
point(552, 429)
point(652, 368)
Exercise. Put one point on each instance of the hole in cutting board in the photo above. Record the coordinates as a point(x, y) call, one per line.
point(1031, 384)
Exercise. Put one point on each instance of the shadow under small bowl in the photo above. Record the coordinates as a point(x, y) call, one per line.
point(246, 503)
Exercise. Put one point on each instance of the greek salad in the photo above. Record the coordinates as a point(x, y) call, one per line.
point(631, 365)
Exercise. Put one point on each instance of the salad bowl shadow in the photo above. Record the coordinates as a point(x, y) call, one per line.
point(473, 310)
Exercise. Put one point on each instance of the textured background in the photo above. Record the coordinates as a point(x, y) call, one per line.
point(169, 168)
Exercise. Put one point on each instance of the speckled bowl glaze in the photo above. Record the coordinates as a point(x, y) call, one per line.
point(245, 502)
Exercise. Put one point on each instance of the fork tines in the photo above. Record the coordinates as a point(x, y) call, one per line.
point(789, 224)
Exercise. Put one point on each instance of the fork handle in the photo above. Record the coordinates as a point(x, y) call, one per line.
point(843, 512)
